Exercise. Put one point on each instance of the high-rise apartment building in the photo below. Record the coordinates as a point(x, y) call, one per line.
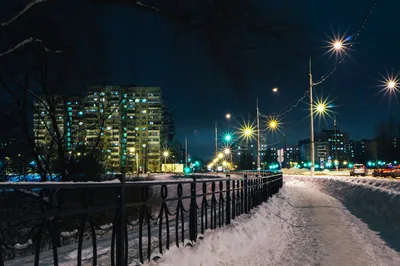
point(43, 122)
point(128, 125)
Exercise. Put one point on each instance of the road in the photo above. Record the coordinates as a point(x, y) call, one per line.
point(302, 226)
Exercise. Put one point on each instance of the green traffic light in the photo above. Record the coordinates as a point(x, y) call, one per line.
point(228, 137)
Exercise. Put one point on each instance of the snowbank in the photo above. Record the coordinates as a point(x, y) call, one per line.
point(375, 201)
point(260, 236)
point(306, 172)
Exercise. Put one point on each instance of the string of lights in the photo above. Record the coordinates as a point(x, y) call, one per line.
point(334, 68)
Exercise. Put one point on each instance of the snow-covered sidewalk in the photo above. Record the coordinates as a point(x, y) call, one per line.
point(302, 225)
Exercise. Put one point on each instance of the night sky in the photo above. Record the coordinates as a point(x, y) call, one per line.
point(121, 44)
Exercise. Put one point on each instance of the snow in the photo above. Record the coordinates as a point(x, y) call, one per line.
point(301, 225)
point(69, 234)
point(250, 238)
point(375, 201)
point(23, 246)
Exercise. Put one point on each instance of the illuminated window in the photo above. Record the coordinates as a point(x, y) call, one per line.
point(137, 100)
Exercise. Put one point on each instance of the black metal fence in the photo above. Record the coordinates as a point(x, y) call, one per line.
point(118, 223)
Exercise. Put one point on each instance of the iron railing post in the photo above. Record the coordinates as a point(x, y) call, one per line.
point(246, 198)
point(193, 211)
point(120, 236)
point(228, 201)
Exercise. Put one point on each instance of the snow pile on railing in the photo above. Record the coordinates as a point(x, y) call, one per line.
point(24, 245)
point(69, 234)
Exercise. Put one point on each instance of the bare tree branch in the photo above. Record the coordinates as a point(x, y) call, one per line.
point(28, 41)
point(23, 11)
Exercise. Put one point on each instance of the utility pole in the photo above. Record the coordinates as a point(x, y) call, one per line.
point(186, 151)
point(258, 140)
point(336, 152)
point(285, 150)
point(216, 138)
point(312, 151)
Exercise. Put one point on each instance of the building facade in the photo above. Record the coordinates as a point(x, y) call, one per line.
point(129, 125)
point(330, 146)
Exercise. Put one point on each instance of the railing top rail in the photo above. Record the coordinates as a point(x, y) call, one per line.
point(113, 183)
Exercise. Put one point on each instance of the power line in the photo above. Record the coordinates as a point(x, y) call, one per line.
point(334, 68)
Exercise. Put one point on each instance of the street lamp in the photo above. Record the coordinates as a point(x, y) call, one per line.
point(272, 124)
point(220, 155)
point(228, 116)
point(132, 151)
point(391, 84)
point(227, 151)
point(165, 155)
point(321, 108)
point(337, 46)
point(275, 90)
point(247, 131)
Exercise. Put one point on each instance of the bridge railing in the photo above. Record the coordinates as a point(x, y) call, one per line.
point(119, 222)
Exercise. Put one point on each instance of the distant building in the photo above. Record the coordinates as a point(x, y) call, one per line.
point(369, 149)
point(329, 145)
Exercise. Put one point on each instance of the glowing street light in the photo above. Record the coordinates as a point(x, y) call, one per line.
point(227, 151)
point(220, 155)
point(338, 45)
point(392, 85)
point(321, 108)
point(228, 116)
point(228, 137)
point(273, 123)
point(166, 154)
point(275, 89)
point(247, 131)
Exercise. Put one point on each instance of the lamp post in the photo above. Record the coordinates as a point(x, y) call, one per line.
point(312, 151)
point(337, 46)
point(228, 153)
point(258, 140)
point(247, 132)
point(322, 109)
point(132, 151)
point(165, 155)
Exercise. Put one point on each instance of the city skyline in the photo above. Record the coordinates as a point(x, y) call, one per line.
point(355, 88)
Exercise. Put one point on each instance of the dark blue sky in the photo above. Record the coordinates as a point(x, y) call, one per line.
point(199, 93)
point(125, 45)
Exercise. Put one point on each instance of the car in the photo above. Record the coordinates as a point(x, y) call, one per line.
point(358, 169)
point(395, 171)
point(377, 172)
point(386, 171)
